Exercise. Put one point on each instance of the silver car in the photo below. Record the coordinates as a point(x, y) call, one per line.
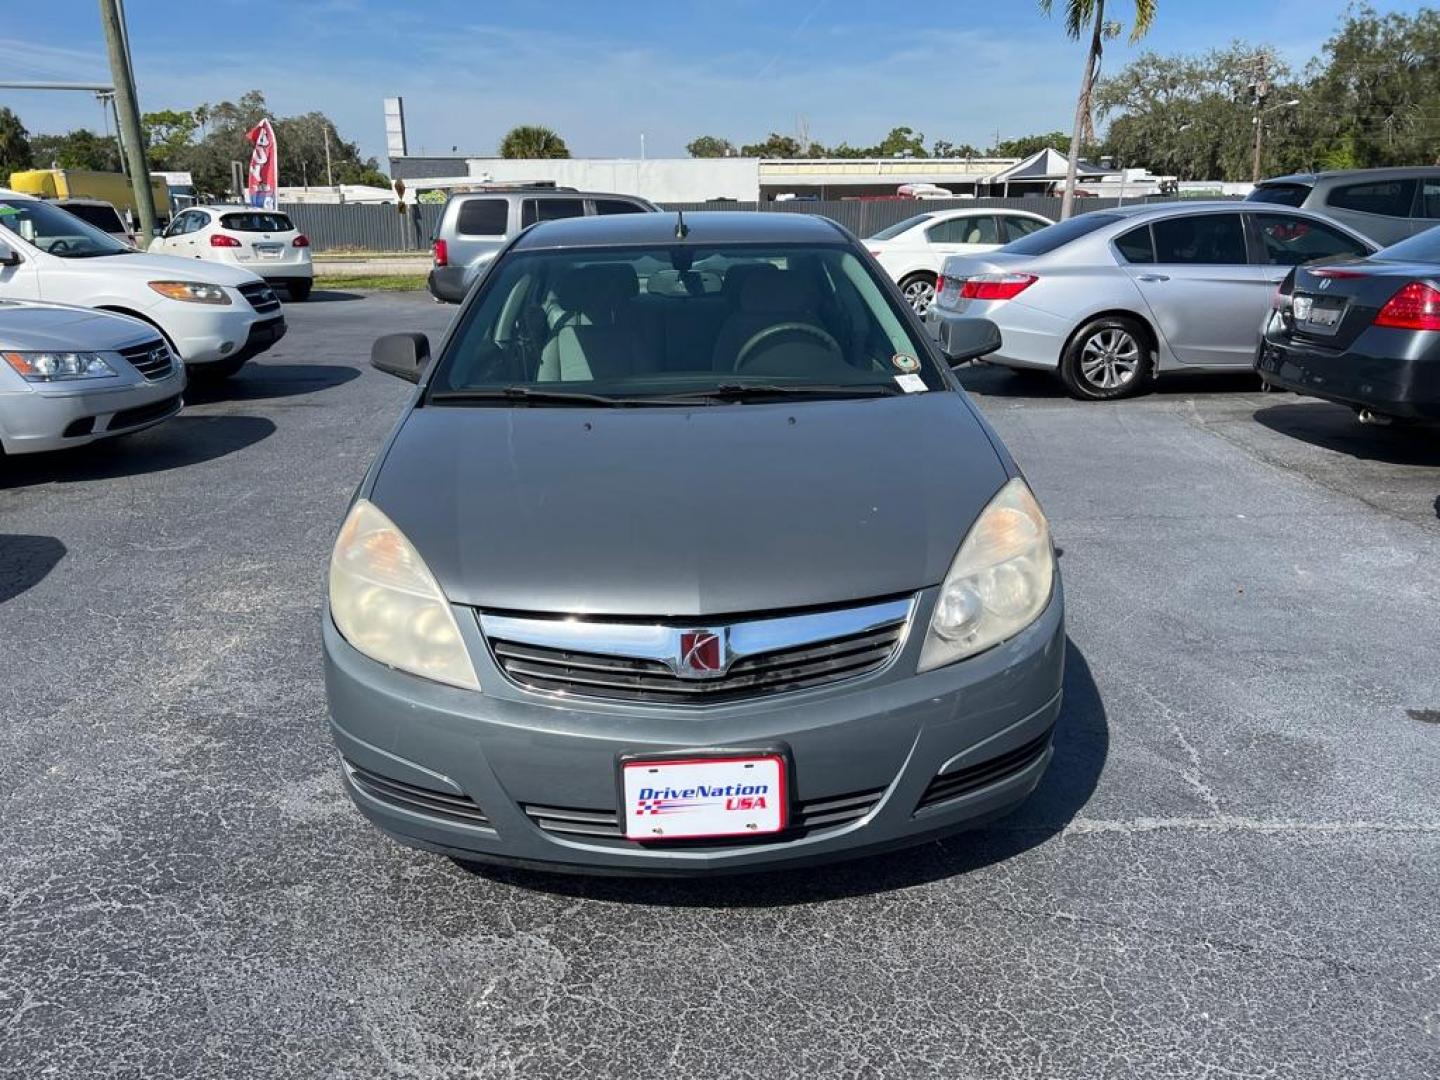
point(475, 225)
point(1113, 298)
point(72, 375)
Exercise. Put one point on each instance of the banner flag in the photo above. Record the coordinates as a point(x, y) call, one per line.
point(262, 181)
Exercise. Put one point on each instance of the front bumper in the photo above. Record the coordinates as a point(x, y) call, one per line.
point(262, 334)
point(203, 334)
point(1392, 372)
point(53, 417)
point(887, 736)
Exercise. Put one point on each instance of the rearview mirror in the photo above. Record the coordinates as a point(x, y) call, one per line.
point(404, 355)
point(8, 255)
point(964, 339)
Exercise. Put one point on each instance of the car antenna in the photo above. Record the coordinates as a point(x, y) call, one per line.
point(681, 229)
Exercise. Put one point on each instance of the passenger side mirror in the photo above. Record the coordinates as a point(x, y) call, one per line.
point(964, 339)
point(8, 255)
point(404, 355)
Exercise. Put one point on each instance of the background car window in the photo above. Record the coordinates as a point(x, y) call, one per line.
point(965, 230)
point(1290, 240)
point(1280, 194)
point(102, 217)
point(1429, 200)
point(892, 231)
point(1060, 234)
point(483, 217)
point(1391, 198)
point(1136, 246)
point(1016, 227)
point(1200, 239)
point(533, 210)
point(256, 221)
point(617, 206)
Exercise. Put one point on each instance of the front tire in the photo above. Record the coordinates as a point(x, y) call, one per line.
point(1109, 358)
point(300, 290)
point(919, 291)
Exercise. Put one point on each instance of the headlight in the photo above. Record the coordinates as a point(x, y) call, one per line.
point(999, 582)
point(193, 292)
point(59, 366)
point(386, 603)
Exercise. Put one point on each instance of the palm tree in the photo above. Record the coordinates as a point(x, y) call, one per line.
point(529, 141)
point(1078, 15)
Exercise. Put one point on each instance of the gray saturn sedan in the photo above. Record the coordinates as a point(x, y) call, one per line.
point(72, 375)
point(689, 555)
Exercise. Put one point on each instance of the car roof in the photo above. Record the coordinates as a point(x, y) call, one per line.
point(1392, 172)
point(230, 208)
point(703, 227)
point(531, 192)
point(85, 199)
point(6, 193)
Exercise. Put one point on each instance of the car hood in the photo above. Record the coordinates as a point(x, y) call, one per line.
point(689, 512)
point(31, 326)
point(175, 268)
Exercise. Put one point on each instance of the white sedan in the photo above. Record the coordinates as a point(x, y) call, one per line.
point(265, 242)
point(912, 251)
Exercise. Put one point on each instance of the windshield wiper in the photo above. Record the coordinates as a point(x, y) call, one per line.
point(743, 391)
point(526, 395)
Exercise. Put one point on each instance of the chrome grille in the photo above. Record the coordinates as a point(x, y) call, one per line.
point(642, 663)
point(261, 296)
point(152, 359)
point(444, 805)
point(816, 814)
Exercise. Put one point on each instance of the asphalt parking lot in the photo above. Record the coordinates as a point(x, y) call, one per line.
point(1231, 869)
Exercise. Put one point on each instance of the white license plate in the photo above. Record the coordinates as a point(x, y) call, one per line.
point(270, 252)
point(704, 796)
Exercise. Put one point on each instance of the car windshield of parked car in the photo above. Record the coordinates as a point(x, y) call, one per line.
point(1280, 194)
point(56, 232)
point(1048, 239)
point(256, 221)
point(682, 322)
point(1422, 248)
point(899, 227)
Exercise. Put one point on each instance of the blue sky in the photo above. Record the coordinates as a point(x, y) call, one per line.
point(603, 73)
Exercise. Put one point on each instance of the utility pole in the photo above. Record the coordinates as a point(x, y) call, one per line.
point(128, 114)
point(1261, 90)
point(329, 177)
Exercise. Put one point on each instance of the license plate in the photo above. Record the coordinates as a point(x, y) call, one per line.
point(1323, 316)
point(269, 251)
point(679, 798)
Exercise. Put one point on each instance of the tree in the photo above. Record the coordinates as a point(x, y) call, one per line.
point(1078, 15)
point(530, 141)
point(15, 153)
point(946, 149)
point(168, 134)
point(708, 146)
point(1025, 145)
point(902, 142)
point(78, 149)
point(776, 146)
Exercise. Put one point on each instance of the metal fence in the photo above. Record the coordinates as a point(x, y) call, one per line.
point(371, 227)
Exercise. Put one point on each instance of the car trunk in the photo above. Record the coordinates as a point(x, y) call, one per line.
point(1330, 306)
point(262, 243)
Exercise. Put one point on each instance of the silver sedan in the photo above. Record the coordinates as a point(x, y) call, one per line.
point(72, 375)
point(1113, 298)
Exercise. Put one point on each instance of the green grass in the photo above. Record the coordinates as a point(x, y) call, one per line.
point(385, 282)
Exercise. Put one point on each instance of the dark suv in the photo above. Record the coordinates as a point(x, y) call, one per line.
point(476, 224)
point(1386, 205)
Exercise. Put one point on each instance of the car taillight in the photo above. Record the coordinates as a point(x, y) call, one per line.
point(995, 286)
point(442, 253)
point(1415, 307)
point(301, 241)
point(221, 240)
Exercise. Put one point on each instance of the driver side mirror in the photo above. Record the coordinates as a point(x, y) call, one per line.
point(8, 255)
point(964, 339)
point(404, 355)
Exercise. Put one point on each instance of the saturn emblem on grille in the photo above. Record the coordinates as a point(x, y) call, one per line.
point(703, 654)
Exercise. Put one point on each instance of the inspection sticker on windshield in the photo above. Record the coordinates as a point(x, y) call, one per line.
point(704, 796)
point(904, 362)
point(911, 384)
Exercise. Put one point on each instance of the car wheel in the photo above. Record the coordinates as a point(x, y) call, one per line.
point(221, 369)
point(1109, 358)
point(919, 292)
point(300, 290)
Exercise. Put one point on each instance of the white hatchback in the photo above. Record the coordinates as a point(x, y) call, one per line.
point(265, 242)
point(912, 251)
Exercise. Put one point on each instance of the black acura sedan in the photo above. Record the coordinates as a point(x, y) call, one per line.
point(1365, 333)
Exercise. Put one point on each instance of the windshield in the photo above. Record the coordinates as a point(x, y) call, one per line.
point(1043, 241)
point(901, 226)
point(683, 321)
point(54, 231)
point(256, 221)
point(1422, 248)
point(1280, 194)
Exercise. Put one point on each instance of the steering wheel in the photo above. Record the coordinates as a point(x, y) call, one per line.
point(802, 329)
point(60, 247)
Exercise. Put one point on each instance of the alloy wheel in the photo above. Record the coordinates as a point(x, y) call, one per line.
point(1110, 359)
point(920, 294)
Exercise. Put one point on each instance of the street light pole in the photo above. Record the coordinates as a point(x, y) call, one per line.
point(128, 114)
point(1260, 129)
